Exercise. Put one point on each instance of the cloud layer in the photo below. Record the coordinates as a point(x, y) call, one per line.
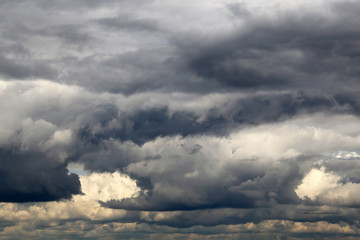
point(190, 120)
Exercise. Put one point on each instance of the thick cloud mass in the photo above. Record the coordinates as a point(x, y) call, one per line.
point(179, 119)
point(30, 177)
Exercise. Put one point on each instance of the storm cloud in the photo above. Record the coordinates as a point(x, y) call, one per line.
point(190, 120)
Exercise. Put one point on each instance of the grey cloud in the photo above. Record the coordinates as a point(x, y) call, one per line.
point(146, 125)
point(300, 53)
point(228, 216)
point(298, 50)
point(127, 73)
point(69, 34)
point(33, 177)
point(298, 63)
point(239, 9)
point(347, 168)
point(348, 101)
point(129, 24)
point(83, 5)
point(157, 202)
point(99, 129)
point(19, 68)
point(276, 229)
point(241, 184)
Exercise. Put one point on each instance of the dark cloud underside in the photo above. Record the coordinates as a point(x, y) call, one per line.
point(31, 177)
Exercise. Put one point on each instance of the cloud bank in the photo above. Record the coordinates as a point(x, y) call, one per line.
point(168, 120)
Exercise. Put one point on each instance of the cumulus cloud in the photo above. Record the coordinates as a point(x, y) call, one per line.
point(328, 188)
point(220, 164)
point(317, 182)
point(187, 119)
point(95, 186)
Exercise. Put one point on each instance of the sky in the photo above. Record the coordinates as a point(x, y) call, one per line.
point(165, 119)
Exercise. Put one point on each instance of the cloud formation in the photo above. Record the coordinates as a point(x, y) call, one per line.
point(166, 119)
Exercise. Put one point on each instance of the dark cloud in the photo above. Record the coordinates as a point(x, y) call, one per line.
point(128, 73)
point(33, 177)
point(128, 24)
point(244, 184)
point(162, 96)
point(28, 68)
point(84, 5)
point(300, 50)
point(146, 125)
point(239, 9)
point(346, 167)
point(297, 51)
point(160, 203)
point(348, 101)
point(229, 216)
point(69, 34)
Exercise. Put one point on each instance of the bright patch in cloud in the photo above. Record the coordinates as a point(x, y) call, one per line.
point(317, 182)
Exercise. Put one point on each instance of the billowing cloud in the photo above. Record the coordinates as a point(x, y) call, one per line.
point(179, 120)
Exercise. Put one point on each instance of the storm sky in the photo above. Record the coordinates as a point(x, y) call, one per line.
point(165, 119)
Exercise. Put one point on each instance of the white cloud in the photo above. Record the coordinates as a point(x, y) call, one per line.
point(60, 137)
point(309, 134)
point(327, 188)
point(96, 186)
point(105, 186)
point(346, 155)
point(317, 182)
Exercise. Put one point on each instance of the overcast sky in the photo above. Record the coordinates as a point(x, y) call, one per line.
point(165, 119)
